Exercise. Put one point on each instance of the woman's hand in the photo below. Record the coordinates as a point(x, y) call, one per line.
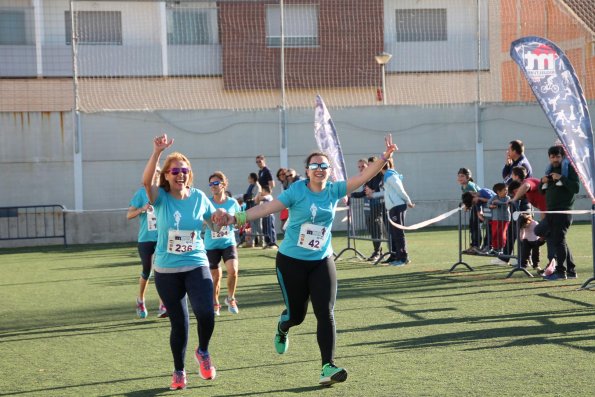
point(160, 143)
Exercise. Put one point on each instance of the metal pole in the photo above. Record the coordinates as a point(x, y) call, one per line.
point(283, 160)
point(76, 121)
point(383, 85)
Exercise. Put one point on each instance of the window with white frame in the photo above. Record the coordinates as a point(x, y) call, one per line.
point(14, 27)
point(421, 25)
point(300, 25)
point(95, 27)
point(192, 26)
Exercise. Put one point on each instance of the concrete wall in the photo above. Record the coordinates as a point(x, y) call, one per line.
point(36, 160)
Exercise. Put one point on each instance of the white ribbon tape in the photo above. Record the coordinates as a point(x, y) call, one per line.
point(425, 223)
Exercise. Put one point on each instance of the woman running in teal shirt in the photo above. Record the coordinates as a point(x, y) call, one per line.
point(305, 266)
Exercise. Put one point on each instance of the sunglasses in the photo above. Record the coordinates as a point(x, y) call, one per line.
point(322, 166)
point(176, 171)
point(214, 183)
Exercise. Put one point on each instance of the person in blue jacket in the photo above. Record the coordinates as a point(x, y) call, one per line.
point(304, 264)
point(397, 201)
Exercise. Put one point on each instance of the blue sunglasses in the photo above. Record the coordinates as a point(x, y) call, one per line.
point(214, 183)
point(322, 166)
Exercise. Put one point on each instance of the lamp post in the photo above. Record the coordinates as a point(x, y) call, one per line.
point(382, 59)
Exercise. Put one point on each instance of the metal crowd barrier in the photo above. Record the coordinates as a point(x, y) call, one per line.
point(32, 222)
point(366, 220)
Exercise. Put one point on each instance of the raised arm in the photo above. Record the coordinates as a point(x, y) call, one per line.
point(160, 143)
point(356, 181)
point(257, 212)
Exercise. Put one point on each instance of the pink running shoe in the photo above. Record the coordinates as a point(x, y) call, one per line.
point(178, 380)
point(206, 369)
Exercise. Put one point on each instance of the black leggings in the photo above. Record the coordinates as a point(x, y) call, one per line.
point(173, 288)
point(146, 249)
point(301, 281)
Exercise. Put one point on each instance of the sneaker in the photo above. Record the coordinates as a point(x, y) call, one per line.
point(281, 340)
point(571, 275)
point(331, 374)
point(232, 305)
point(206, 369)
point(390, 259)
point(141, 310)
point(538, 270)
point(217, 309)
point(544, 186)
point(499, 262)
point(178, 380)
point(162, 312)
point(374, 257)
point(555, 277)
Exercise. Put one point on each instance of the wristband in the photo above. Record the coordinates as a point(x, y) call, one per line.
point(383, 158)
point(241, 218)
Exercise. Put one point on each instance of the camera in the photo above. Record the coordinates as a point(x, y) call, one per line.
point(550, 178)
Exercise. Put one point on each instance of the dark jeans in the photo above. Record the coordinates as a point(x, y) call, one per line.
point(554, 228)
point(374, 223)
point(173, 288)
point(398, 245)
point(530, 249)
point(302, 281)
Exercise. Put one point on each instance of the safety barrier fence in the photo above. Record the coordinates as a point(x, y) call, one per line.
point(33, 222)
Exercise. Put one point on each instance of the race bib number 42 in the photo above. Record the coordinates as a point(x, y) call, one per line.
point(180, 241)
point(313, 237)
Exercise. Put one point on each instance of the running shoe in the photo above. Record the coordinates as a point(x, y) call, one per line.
point(141, 310)
point(331, 374)
point(178, 380)
point(232, 305)
point(217, 309)
point(281, 340)
point(206, 369)
point(162, 312)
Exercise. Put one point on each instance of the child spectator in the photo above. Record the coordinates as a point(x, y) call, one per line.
point(477, 203)
point(500, 217)
point(268, 222)
point(530, 243)
point(465, 179)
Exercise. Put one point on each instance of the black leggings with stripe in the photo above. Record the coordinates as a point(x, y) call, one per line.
point(302, 281)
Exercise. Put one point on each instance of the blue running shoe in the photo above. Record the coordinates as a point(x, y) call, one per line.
point(331, 374)
point(281, 340)
point(141, 310)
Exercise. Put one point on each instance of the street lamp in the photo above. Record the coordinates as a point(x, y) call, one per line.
point(382, 59)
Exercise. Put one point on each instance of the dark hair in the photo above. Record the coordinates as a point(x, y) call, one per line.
point(519, 171)
point(466, 172)
point(498, 187)
point(517, 146)
point(523, 220)
point(555, 151)
point(313, 154)
point(253, 176)
point(467, 199)
point(388, 164)
point(281, 171)
point(514, 185)
point(371, 159)
point(266, 189)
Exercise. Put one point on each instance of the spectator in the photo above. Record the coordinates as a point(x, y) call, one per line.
point(477, 203)
point(265, 177)
point(500, 217)
point(465, 179)
point(515, 157)
point(530, 243)
point(555, 226)
point(397, 201)
point(252, 237)
point(292, 176)
point(282, 177)
point(268, 222)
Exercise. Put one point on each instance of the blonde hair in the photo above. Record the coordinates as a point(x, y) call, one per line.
point(175, 156)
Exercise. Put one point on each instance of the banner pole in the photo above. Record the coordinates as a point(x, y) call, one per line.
point(584, 286)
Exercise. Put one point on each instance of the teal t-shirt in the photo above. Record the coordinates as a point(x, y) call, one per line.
point(184, 217)
point(226, 236)
point(306, 206)
point(139, 200)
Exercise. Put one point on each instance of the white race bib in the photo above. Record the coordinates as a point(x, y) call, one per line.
point(151, 220)
point(223, 233)
point(313, 237)
point(180, 241)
